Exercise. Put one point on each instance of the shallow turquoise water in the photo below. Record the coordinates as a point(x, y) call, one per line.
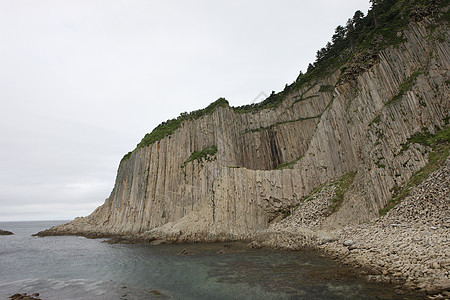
point(79, 268)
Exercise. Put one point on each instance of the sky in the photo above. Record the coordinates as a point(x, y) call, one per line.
point(82, 81)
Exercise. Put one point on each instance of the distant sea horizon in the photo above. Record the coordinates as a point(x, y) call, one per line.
point(19, 221)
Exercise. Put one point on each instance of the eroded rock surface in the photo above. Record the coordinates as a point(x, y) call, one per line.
point(361, 122)
point(353, 127)
point(408, 246)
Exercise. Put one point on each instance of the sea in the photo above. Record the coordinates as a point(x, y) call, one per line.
point(70, 267)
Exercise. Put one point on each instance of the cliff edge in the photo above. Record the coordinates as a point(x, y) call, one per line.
point(344, 144)
point(226, 173)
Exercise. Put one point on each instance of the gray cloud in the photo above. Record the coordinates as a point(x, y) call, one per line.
point(82, 81)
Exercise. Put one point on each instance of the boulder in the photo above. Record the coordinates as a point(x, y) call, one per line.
point(5, 232)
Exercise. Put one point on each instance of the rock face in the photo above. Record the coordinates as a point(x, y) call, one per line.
point(25, 296)
point(408, 246)
point(5, 232)
point(327, 128)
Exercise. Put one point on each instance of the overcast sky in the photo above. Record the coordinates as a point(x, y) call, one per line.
point(82, 81)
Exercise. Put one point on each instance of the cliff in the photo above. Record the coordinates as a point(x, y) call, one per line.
point(229, 173)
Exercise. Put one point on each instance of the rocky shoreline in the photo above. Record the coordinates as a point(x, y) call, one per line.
point(5, 232)
point(408, 247)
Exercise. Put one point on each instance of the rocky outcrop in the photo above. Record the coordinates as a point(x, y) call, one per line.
point(5, 232)
point(327, 128)
point(316, 170)
point(25, 296)
point(409, 246)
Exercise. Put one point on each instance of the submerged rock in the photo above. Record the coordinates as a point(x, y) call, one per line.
point(184, 252)
point(25, 296)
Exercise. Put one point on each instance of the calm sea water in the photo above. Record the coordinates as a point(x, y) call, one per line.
point(80, 268)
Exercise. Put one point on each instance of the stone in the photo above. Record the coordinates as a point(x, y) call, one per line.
point(25, 296)
point(5, 232)
point(437, 289)
point(348, 243)
point(435, 265)
point(352, 247)
point(184, 252)
point(325, 237)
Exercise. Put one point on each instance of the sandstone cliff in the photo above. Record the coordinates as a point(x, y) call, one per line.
point(267, 161)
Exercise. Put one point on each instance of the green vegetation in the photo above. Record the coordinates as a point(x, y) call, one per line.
point(302, 99)
point(404, 88)
point(379, 164)
point(342, 185)
point(167, 128)
point(279, 123)
point(127, 156)
point(376, 120)
point(273, 101)
point(315, 191)
point(289, 164)
point(326, 88)
point(359, 42)
point(426, 138)
point(440, 145)
point(206, 154)
point(353, 49)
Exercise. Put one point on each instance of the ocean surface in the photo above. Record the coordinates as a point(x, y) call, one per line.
point(80, 268)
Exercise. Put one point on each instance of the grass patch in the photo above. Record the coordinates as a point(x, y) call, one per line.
point(440, 143)
point(167, 128)
point(127, 156)
point(303, 99)
point(280, 123)
point(315, 191)
point(380, 165)
point(342, 185)
point(273, 101)
point(289, 164)
point(376, 120)
point(427, 139)
point(326, 88)
point(404, 88)
point(207, 154)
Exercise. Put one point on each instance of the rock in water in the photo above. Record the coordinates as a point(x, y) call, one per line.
point(5, 232)
point(25, 296)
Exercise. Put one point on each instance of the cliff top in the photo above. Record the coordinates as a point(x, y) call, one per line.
point(353, 49)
